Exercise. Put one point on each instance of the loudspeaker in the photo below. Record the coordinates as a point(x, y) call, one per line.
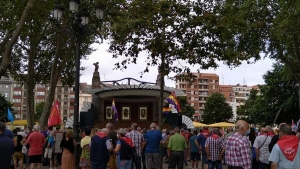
point(174, 119)
point(87, 118)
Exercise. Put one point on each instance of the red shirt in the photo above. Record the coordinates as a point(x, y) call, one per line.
point(36, 140)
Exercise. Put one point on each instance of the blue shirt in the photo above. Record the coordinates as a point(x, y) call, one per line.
point(6, 151)
point(9, 134)
point(283, 163)
point(152, 139)
point(51, 141)
point(193, 145)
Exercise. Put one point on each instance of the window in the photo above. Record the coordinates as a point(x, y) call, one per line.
point(17, 100)
point(6, 86)
point(24, 117)
point(72, 96)
point(6, 95)
point(17, 93)
point(17, 85)
point(17, 116)
point(39, 100)
point(40, 93)
point(16, 108)
point(40, 86)
point(65, 112)
point(72, 111)
point(66, 89)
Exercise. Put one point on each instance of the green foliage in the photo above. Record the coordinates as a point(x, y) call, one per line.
point(279, 92)
point(38, 110)
point(3, 107)
point(166, 32)
point(186, 109)
point(261, 28)
point(216, 109)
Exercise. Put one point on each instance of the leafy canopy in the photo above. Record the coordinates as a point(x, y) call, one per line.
point(279, 92)
point(216, 109)
point(186, 109)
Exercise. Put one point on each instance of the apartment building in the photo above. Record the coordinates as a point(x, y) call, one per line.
point(16, 93)
point(198, 91)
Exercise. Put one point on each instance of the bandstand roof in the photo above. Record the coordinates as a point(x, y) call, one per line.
point(132, 86)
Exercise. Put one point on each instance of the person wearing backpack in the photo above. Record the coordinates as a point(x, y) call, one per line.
point(124, 150)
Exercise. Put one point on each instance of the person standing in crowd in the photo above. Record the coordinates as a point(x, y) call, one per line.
point(237, 150)
point(112, 135)
point(261, 145)
point(213, 148)
point(270, 131)
point(18, 155)
point(286, 152)
point(68, 145)
point(100, 148)
point(124, 150)
point(194, 150)
point(274, 139)
point(57, 155)
point(153, 139)
point(6, 148)
point(229, 132)
point(184, 134)
point(85, 154)
point(28, 132)
point(139, 143)
point(201, 139)
point(143, 150)
point(165, 145)
point(252, 137)
point(50, 146)
point(36, 140)
point(177, 145)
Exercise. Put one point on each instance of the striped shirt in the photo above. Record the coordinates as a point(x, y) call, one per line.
point(137, 139)
point(238, 152)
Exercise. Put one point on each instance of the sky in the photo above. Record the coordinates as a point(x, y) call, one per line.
point(248, 74)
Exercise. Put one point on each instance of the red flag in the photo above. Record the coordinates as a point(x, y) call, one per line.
point(54, 117)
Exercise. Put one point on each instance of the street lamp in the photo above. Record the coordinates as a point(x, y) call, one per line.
point(80, 20)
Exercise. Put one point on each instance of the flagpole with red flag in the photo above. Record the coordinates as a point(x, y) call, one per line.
point(54, 117)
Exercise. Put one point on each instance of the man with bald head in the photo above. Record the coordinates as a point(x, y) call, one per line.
point(237, 149)
point(261, 145)
point(138, 140)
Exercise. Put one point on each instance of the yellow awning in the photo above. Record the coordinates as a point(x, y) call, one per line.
point(19, 123)
point(222, 124)
point(196, 124)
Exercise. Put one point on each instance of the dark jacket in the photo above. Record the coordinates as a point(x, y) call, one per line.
point(99, 151)
point(6, 151)
point(126, 151)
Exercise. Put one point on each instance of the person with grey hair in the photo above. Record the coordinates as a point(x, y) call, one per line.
point(6, 148)
point(286, 152)
point(261, 145)
point(237, 149)
point(37, 141)
point(124, 150)
point(100, 147)
point(153, 139)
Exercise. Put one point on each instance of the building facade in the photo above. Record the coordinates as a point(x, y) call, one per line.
point(65, 95)
point(198, 91)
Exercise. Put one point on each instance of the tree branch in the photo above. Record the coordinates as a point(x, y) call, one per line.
point(6, 62)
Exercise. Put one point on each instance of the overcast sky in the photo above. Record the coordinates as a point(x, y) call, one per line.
point(245, 73)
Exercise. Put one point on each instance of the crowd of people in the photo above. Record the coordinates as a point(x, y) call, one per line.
point(240, 147)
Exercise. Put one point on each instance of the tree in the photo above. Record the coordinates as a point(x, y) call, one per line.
point(4, 104)
point(256, 29)
point(10, 17)
point(216, 109)
point(38, 110)
point(167, 31)
point(186, 109)
point(280, 92)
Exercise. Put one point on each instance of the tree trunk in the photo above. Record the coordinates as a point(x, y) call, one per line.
point(6, 59)
point(30, 81)
point(57, 68)
point(161, 92)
